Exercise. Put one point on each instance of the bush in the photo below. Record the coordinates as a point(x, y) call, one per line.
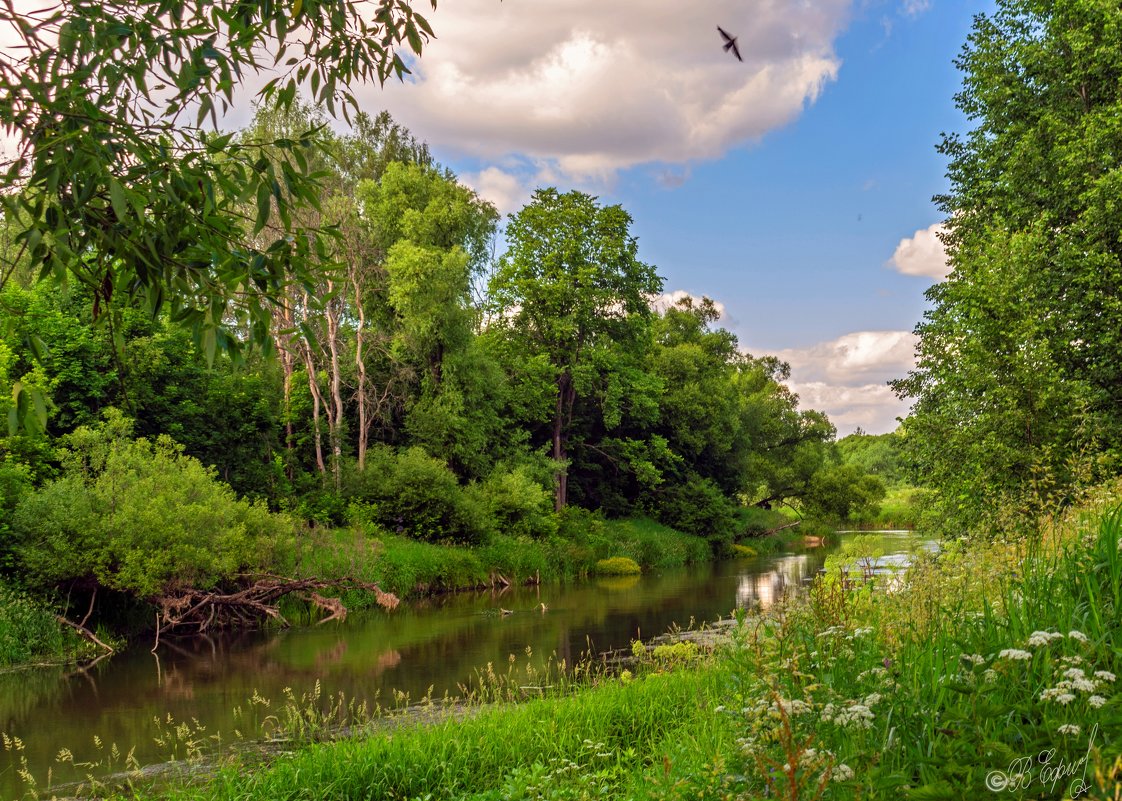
point(140, 517)
point(29, 630)
point(698, 507)
point(411, 493)
point(618, 566)
point(516, 504)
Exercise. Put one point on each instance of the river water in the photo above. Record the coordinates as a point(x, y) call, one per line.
point(436, 643)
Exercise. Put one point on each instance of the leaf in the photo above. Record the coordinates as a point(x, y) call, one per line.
point(118, 200)
point(264, 196)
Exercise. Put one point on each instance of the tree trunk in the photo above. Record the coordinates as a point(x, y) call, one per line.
point(565, 397)
point(335, 414)
point(317, 399)
point(361, 397)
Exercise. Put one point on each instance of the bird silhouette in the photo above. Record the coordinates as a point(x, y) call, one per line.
point(730, 42)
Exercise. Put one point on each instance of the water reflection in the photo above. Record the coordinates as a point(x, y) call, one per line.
point(438, 643)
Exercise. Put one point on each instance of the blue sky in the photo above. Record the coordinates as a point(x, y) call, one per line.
point(781, 187)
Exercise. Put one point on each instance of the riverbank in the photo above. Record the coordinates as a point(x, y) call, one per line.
point(989, 654)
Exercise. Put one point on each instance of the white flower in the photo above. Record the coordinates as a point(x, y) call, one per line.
point(842, 773)
point(990, 676)
point(872, 699)
point(1072, 660)
point(1096, 701)
point(1065, 698)
point(1105, 675)
point(974, 659)
point(1078, 636)
point(1040, 638)
point(1016, 654)
point(1069, 728)
point(1074, 673)
point(861, 632)
point(858, 716)
point(1084, 685)
point(792, 707)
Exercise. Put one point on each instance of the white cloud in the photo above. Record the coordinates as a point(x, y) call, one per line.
point(669, 299)
point(922, 254)
point(506, 190)
point(589, 87)
point(913, 8)
point(847, 378)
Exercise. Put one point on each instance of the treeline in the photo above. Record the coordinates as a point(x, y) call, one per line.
point(411, 384)
point(1019, 369)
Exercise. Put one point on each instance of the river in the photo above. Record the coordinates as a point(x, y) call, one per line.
point(436, 643)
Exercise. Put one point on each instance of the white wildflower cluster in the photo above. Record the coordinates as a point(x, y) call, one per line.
point(862, 632)
point(1071, 660)
point(1015, 654)
point(877, 672)
point(832, 631)
point(1078, 636)
point(791, 707)
point(1075, 680)
point(1038, 639)
point(1096, 701)
point(872, 699)
point(1105, 675)
point(857, 716)
point(841, 773)
point(990, 676)
point(1069, 728)
point(973, 659)
point(747, 745)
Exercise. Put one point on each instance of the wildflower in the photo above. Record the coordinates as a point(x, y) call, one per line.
point(1064, 699)
point(861, 632)
point(1015, 654)
point(1078, 636)
point(719, 710)
point(1096, 701)
point(791, 707)
point(1072, 660)
point(974, 659)
point(872, 699)
point(1084, 685)
point(842, 773)
point(1041, 638)
point(990, 676)
point(1105, 675)
point(1074, 673)
point(858, 716)
point(1069, 728)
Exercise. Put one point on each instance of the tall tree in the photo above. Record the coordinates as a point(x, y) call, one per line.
point(570, 282)
point(122, 189)
point(1018, 373)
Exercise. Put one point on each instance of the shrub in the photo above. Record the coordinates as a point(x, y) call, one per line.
point(29, 630)
point(618, 566)
point(411, 493)
point(140, 517)
point(698, 507)
point(745, 550)
point(516, 504)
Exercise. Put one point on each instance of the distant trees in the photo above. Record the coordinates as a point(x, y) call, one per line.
point(1018, 372)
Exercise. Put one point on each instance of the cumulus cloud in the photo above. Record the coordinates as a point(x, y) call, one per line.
point(507, 190)
point(592, 87)
point(847, 378)
point(670, 299)
point(922, 254)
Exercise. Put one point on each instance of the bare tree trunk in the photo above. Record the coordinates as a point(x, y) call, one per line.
point(360, 366)
point(335, 414)
point(317, 398)
point(288, 366)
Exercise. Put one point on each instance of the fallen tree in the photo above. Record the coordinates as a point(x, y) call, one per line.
point(197, 611)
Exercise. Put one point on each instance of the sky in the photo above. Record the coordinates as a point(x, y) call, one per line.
point(795, 188)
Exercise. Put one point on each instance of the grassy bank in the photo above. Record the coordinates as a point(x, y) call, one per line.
point(409, 567)
point(951, 686)
point(29, 632)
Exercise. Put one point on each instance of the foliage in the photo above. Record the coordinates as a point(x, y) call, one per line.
point(29, 631)
point(1017, 369)
point(122, 195)
point(617, 566)
point(981, 658)
point(140, 517)
point(411, 492)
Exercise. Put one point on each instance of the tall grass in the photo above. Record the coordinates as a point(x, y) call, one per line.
point(992, 657)
point(29, 631)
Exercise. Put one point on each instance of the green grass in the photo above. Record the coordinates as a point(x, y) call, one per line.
point(30, 633)
point(409, 567)
point(624, 737)
point(989, 653)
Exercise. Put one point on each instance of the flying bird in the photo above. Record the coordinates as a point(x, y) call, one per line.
point(730, 42)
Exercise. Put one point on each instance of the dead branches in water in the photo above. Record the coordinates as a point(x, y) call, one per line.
point(197, 611)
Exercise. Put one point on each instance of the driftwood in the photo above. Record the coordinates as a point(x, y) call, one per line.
point(781, 528)
point(89, 635)
point(198, 611)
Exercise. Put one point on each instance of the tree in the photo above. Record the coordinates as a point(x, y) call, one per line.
point(1017, 377)
point(118, 186)
point(570, 283)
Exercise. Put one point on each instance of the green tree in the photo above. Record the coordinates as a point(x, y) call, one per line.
point(121, 189)
point(1015, 388)
point(571, 283)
